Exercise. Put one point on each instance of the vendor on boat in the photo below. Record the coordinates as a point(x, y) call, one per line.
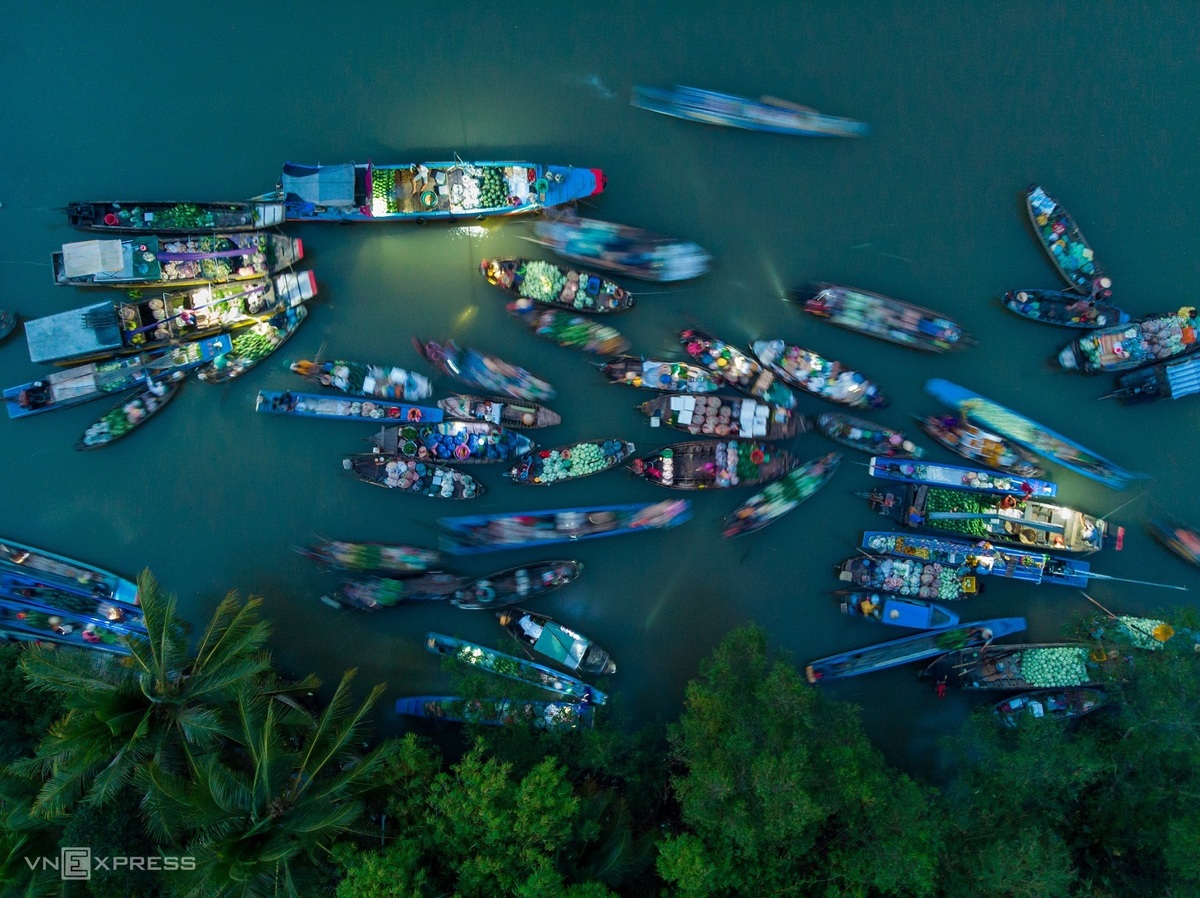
point(34, 396)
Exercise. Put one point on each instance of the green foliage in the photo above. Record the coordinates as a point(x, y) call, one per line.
point(115, 830)
point(25, 715)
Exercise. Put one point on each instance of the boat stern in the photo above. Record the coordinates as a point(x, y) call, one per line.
point(1067, 357)
point(601, 180)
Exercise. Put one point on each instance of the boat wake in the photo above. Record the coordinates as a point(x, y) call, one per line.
point(594, 82)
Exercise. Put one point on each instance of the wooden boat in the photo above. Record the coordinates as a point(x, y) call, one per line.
point(818, 376)
point(1049, 665)
point(365, 379)
point(369, 556)
point(375, 593)
point(545, 283)
point(1063, 308)
point(781, 496)
point(342, 408)
point(412, 476)
point(911, 648)
point(482, 371)
point(253, 344)
point(150, 322)
point(501, 412)
point(8, 323)
point(705, 464)
point(498, 712)
point(981, 446)
point(1051, 704)
point(1174, 534)
point(570, 462)
point(31, 593)
point(999, 519)
point(146, 260)
point(551, 639)
point(130, 414)
point(476, 534)
point(1030, 434)
point(622, 249)
point(722, 416)
point(909, 577)
point(933, 474)
point(62, 629)
point(512, 667)
point(76, 576)
point(883, 317)
point(454, 442)
point(735, 368)
point(430, 191)
point(1123, 347)
point(897, 611)
point(515, 584)
point(765, 114)
point(166, 218)
point(570, 331)
point(1166, 380)
point(668, 377)
point(866, 436)
point(94, 380)
point(1065, 244)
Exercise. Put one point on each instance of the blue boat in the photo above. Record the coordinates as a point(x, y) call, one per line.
point(1030, 434)
point(896, 611)
point(1063, 308)
point(430, 191)
point(1166, 380)
point(512, 667)
point(911, 648)
point(252, 345)
point(765, 114)
point(477, 534)
point(913, 471)
point(343, 408)
point(74, 576)
point(33, 593)
point(498, 712)
point(61, 629)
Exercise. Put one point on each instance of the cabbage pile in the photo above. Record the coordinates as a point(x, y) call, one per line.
point(1059, 666)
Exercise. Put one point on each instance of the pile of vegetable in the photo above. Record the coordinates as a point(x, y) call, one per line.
point(183, 215)
point(493, 191)
point(383, 187)
point(578, 460)
point(943, 500)
point(1059, 666)
point(542, 281)
point(254, 344)
point(573, 331)
point(115, 424)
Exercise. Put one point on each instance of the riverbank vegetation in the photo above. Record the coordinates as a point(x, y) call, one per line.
point(197, 747)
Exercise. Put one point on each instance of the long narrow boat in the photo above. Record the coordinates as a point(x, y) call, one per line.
point(1030, 434)
point(476, 534)
point(911, 648)
point(781, 496)
point(513, 668)
point(981, 446)
point(61, 629)
point(819, 376)
point(866, 436)
point(412, 476)
point(735, 368)
point(77, 576)
point(705, 464)
point(934, 474)
point(191, 259)
point(430, 191)
point(515, 584)
point(1063, 308)
point(911, 577)
point(501, 412)
point(1002, 519)
point(568, 330)
point(108, 613)
point(159, 321)
point(1177, 536)
point(553, 285)
point(175, 218)
point(651, 374)
point(365, 379)
point(1065, 244)
point(1123, 347)
point(1167, 380)
point(622, 249)
point(552, 640)
point(722, 416)
point(130, 414)
point(482, 371)
point(375, 593)
point(454, 442)
point(883, 317)
point(94, 380)
point(498, 712)
point(342, 408)
point(765, 114)
point(570, 462)
point(253, 344)
point(1051, 704)
point(388, 558)
point(8, 323)
point(896, 611)
point(1050, 665)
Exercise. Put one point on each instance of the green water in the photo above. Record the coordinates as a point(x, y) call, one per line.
point(968, 104)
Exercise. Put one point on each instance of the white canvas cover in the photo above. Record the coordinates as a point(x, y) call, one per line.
point(329, 185)
point(92, 257)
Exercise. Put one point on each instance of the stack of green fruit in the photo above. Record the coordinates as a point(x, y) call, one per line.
point(252, 345)
point(543, 282)
point(1061, 666)
point(943, 500)
point(383, 187)
point(184, 215)
point(492, 189)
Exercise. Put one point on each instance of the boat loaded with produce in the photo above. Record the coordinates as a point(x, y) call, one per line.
point(483, 371)
point(1166, 380)
point(385, 558)
point(622, 249)
point(430, 191)
point(570, 462)
point(67, 573)
point(824, 378)
point(365, 379)
point(781, 496)
point(1063, 308)
point(553, 285)
point(412, 476)
point(253, 344)
point(981, 446)
point(498, 711)
point(933, 474)
point(883, 317)
point(708, 464)
point(1049, 704)
point(1065, 244)
point(897, 611)
point(501, 412)
point(723, 416)
point(125, 417)
point(342, 408)
point(765, 114)
point(20, 592)
point(568, 330)
point(651, 374)
point(175, 218)
point(736, 369)
point(515, 584)
point(1181, 538)
point(866, 436)
point(1123, 347)
point(376, 593)
point(21, 624)
point(1029, 666)
point(913, 577)
point(453, 442)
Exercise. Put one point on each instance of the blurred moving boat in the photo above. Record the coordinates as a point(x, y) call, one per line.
point(498, 712)
point(622, 249)
point(883, 317)
point(765, 114)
